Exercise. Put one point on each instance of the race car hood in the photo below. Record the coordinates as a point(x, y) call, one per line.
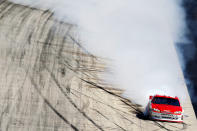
point(166, 108)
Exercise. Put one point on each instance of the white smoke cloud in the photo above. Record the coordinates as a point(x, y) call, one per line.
point(138, 35)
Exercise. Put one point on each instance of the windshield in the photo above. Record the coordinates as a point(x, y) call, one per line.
point(167, 101)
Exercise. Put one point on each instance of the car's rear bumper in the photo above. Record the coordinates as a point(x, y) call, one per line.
point(166, 117)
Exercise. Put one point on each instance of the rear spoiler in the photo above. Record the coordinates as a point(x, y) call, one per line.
point(150, 97)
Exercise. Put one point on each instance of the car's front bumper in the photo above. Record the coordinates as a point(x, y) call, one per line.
point(166, 117)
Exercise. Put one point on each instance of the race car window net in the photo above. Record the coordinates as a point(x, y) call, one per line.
point(167, 101)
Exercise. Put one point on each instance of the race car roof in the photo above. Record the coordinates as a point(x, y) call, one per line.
point(165, 96)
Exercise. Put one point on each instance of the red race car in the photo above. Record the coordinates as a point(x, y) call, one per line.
point(164, 108)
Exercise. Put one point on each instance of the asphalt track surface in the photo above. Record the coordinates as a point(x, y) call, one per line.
point(49, 82)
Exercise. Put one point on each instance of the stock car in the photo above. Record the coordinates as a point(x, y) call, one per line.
point(165, 108)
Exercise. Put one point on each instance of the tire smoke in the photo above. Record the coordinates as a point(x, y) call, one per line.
point(138, 36)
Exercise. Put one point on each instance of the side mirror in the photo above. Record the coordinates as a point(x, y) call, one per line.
point(150, 97)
